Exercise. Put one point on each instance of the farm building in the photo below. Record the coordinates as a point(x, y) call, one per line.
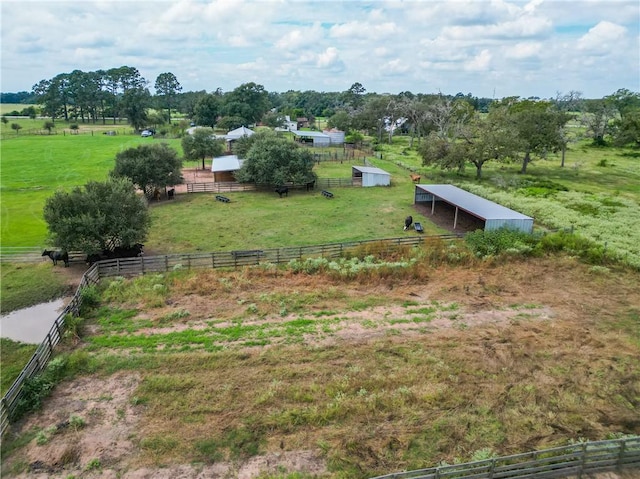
point(223, 168)
point(370, 176)
point(315, 137)
point(467, 211)
point(336, 136)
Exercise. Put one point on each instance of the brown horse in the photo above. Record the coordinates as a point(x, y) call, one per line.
point(415, 178)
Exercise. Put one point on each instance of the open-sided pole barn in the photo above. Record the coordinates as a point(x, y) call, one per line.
point(492, 215)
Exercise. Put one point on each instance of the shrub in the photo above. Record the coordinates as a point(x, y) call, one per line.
point(38, 387)
point(501, 241)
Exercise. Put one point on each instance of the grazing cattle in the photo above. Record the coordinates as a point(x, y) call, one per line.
point(282, 191)
point(93, 258)
point(415, 178)
point(311, 185)
point(407, 222)
point(171, 193)
point(117, 252)
point(57, 256)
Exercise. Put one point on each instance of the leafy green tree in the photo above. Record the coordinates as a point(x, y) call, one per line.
point(477, 140)
point(354, 96)
point(231, 122)
point(17, 127)
point(539, 127)
point(97, 216)
point(135, 102)
point(207, 110)
point(596, 118)
point(242, 145)
point(276, 161)
point(340, 120)
point(5, 120)
point(249, 101)
point(49, 125)
point(200, 144)
point(149, 167)
point(167, 88)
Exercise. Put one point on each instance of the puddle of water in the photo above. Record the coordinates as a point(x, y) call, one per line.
point(31, 325)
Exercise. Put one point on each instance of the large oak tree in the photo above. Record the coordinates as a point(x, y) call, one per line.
point(97, 217)
point(149, 167)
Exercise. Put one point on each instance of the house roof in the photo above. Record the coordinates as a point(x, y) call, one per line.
point(226, 163)
point(310, 134)
point(371, 170)
point(239, 133)
point(474, 204)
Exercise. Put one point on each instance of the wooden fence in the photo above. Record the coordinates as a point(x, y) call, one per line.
point(573, 460)
point(551, 463)
point(156, 264)
point(230, 186)
point(34, 255)
point(41, 357)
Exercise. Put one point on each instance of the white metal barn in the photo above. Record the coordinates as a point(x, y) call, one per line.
point(315, 137)
point(469, 208)
point(370, 176)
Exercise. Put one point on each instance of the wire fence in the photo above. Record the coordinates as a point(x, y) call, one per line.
point(571, 460)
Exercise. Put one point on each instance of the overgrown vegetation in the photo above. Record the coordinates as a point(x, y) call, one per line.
point(383, 363)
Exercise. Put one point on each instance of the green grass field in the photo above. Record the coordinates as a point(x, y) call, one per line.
point(600, 202)
point(33, 167)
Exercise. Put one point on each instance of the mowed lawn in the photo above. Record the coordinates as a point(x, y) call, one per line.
point(34, 167)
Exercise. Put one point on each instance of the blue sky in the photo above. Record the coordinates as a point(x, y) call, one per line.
point(489, 48)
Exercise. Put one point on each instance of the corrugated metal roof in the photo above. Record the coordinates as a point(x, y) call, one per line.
point(239, 133)
point(473, 204)
point(371, 169)
point(226, 163)
point(310, 134)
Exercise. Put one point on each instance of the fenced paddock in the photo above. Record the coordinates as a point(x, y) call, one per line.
point(159, 264)
point(573, 460)
point(576, 460)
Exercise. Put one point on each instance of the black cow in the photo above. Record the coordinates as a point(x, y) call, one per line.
point(171, 193)
point(407, 222)
point(117, 252)
point(311, 185)
point(283, 190)
point(57, 256)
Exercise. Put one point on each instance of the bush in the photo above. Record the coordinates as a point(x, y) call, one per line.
point(501, 241)
point(38, 387)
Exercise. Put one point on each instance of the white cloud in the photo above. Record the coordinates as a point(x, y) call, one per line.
point(523, 50)
point(523, 47)
point(602, 38)
point(480, 62)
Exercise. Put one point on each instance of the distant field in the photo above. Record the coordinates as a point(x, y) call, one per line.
point(33, 167)
point(9, 107)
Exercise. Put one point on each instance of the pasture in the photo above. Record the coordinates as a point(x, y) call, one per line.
point(597, 193)
point(33, 167)
point(341, 376)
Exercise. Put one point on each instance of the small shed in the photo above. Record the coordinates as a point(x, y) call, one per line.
point(315, 137)
point(370, 176)
point(223, 168)
point(469, 209)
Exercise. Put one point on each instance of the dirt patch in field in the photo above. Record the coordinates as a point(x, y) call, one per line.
point(473, 305)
